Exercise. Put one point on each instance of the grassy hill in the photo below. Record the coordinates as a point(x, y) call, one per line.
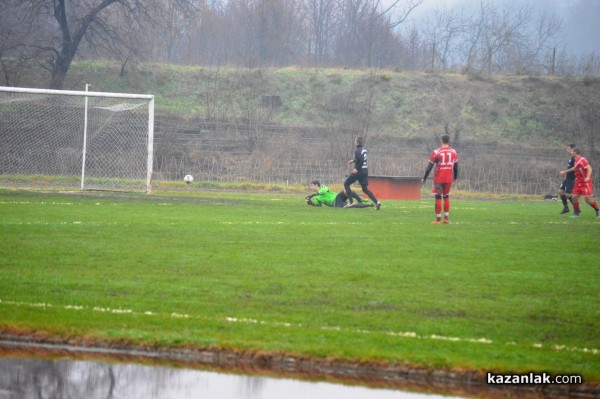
point(503, 109)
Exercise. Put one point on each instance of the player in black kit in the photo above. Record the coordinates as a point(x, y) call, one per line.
point(360, 173)
point(566, 188)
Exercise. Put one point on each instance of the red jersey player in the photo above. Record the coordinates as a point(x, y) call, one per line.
point(445, 160)
point(583, 183)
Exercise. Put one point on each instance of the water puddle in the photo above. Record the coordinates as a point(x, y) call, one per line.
point(22, 378)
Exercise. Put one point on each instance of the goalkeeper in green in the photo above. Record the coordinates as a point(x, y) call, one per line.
point(323, 196)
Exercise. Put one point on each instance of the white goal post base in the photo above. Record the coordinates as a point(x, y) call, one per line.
point(84, 139)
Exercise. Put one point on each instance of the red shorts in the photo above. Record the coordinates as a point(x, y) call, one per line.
point(582, 188)
point(441, 188)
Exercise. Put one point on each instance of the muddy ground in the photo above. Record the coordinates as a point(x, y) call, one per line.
point(458, 382)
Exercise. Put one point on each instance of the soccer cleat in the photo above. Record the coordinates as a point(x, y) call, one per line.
point(598, 214)
point(565, 210)
point(377, 205)
point(446, 221)
point(436, 222)
point(575, 215)
point(349, 205)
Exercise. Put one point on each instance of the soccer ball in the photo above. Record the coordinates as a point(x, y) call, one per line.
point(188, 179)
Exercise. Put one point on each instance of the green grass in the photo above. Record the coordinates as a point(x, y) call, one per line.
point(509, 285)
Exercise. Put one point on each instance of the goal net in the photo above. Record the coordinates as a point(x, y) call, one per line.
point(76, 139)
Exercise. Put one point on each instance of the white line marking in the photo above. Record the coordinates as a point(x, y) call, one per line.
point(34, 203)
point(244, 320)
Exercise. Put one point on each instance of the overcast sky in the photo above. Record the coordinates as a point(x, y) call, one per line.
point(580, 18)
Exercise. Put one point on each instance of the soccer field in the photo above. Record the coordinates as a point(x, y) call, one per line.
point(508, 286)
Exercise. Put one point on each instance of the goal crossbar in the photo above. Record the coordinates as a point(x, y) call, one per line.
point(75, 93)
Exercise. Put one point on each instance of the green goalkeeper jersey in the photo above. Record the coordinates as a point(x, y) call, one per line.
point(324, 196)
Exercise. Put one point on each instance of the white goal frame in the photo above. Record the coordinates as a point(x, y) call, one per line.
point(86, 95)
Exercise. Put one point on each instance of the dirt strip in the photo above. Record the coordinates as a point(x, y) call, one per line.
point(465, 383)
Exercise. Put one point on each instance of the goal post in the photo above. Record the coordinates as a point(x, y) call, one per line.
point(84, 139)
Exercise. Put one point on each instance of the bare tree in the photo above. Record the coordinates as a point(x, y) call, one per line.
point(494, 32)
point(72, 28)
point(365, 34)
point(320, 20)
point(381, 21)
point(264, 32)
point(350, 14)
point(413, 50)
point(546, 30)
point(62, 25)
point(120, 37)
point(207, 37)
point(443, 32)
point(13, 32)
point(282, 17)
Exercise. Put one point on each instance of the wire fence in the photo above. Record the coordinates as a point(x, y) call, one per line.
point(483, 167)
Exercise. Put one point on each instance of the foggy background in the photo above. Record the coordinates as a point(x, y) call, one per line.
point(580, 32)
point(505, 37)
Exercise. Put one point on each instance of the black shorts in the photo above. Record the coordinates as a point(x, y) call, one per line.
point(567, 186)
point(363, 179)
point(340, 200)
